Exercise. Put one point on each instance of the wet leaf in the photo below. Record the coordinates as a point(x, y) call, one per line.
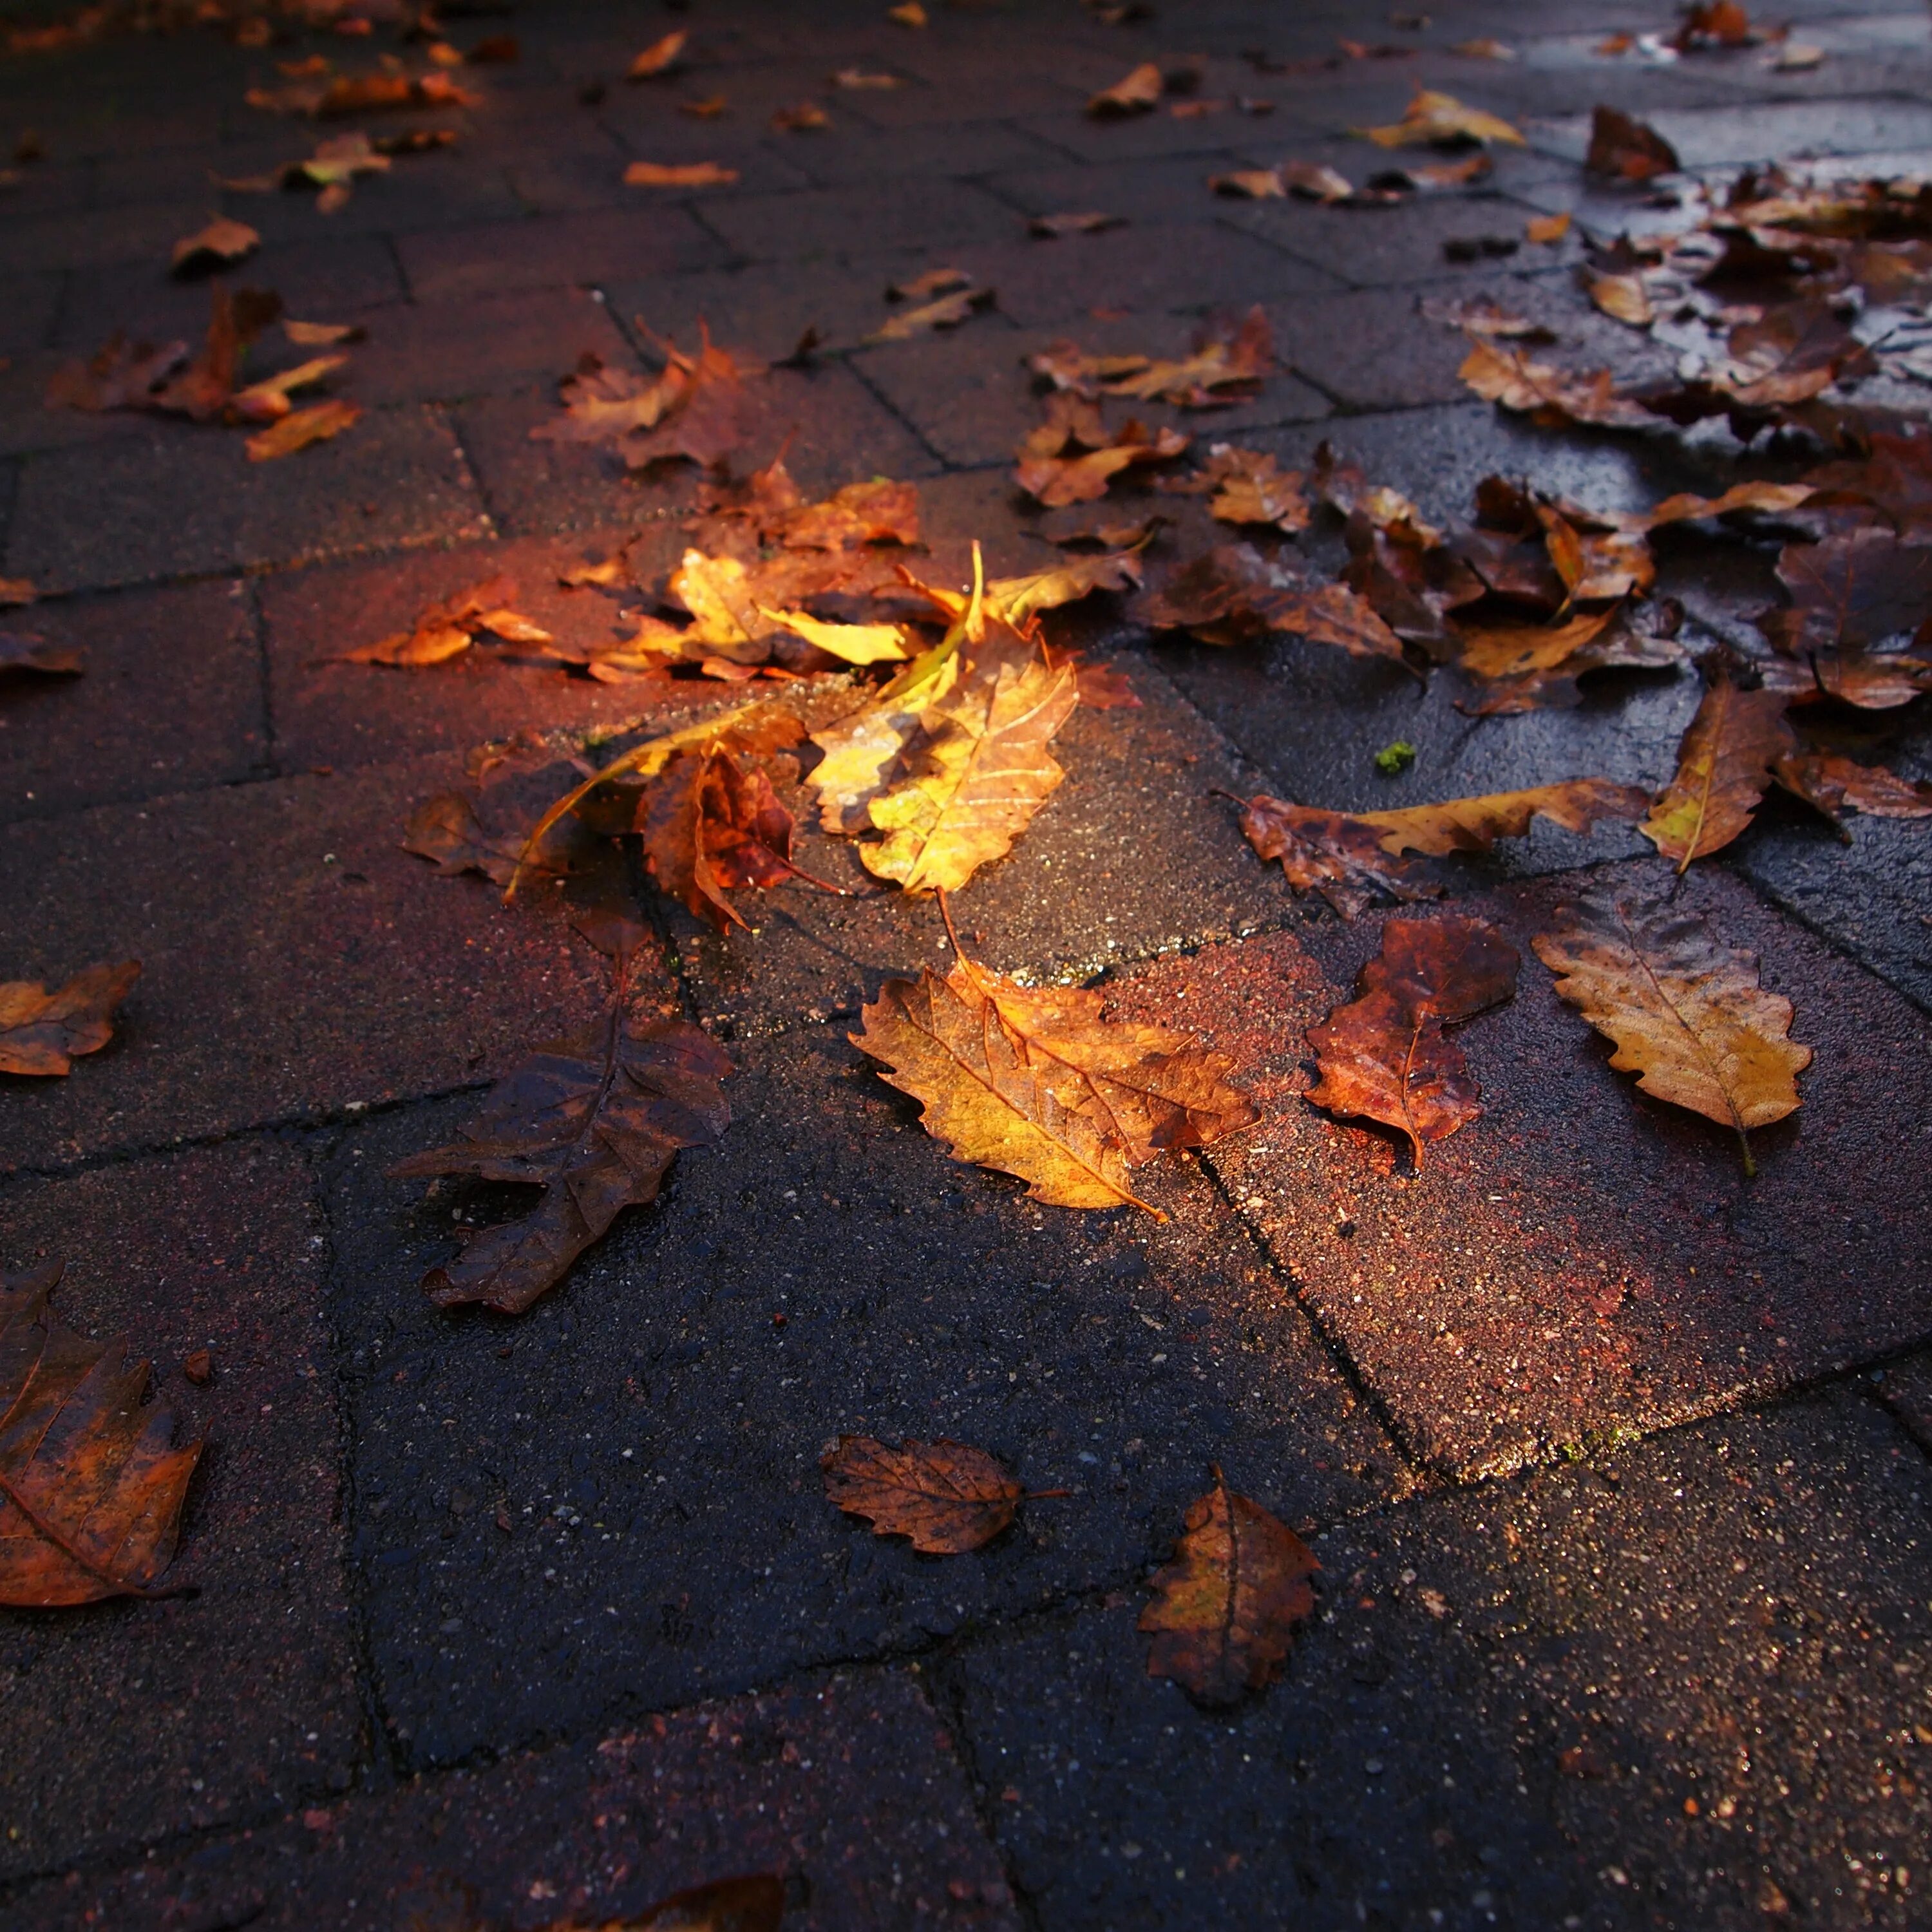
point(1384, 1055)
point(710, 826)
point(1484, 315)
point(1534, 667)
point(449, 627)
point(43, 1033)
point(1555, 397)
point(1341, 857)
point(678, 174)
point(1687, 1013)
point(1434, 119)
point(220, 245)
point(1057, 479)
point(948, 1499)
point(1224, 1610)
point(1229, 361)
point(91, 1483)
point(21, 653)
point(659, 58)
point(947, 312)
point(1724, 767)
point(1771, 498)
point(1622, 297)
point(1038, 1083)
point(1713, 23)
point(1136, 93)
point(1858, 589)
point(1431, 177)
point(1232, 595)
point(300, 427)
point(1836, 784)
point(1475, 824)
point(1252, 488)
point(1626, 149)
point(1017, 598)
point(595, 1120)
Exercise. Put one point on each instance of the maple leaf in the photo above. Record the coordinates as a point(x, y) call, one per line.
point(703, 414)
point(595, 1120)
point(659, 58)
point(1858, 588)
point(43, 1033)
point(301, 427)
point(1384, 1054)
point(1688, 1013)
point(1038, 1083)
point(1057, 480)
point(1228, 363)
point(1434, 119)
point(1626, 149)
point(1253, 488)
point(602, 403)
point(1342, 858)
point(91, 1483)
point(678, 174)
point(1232, 594)
point(21, 653)
point(1475, 824)
point(1225, 1609)
point(948, 1497)
point(1528, 667)
point(1724, 767)
point(1555, 397)
point(1138, 92)
point(220, 244)
point(1835, 784)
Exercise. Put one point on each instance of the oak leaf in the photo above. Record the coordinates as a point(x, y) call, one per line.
point(1555, 397)
point(91, 1482)
point(1724, 767)
point(947, 1497)
point(1626, 149)
point(1836, 784)
point(1341, 857)
point(1225, 1609)
point(1136, 93)
point(1432, 119)
point(1039, 1084)
point(1475, 824)
point(1688, 1013)
point(301, 427)
point(1384, 1054)
point(43, 1032)
point(595, 1120)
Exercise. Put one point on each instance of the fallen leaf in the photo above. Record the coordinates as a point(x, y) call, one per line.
point(1084, 222)
point(1057, 480)
point(1311, 180)
point(1137, 93)
point(220, 245)
point(1483, 49)
point(1724, 767)
point(300, 428)
point(1105, 688)
point(495, 50)
point(659, 58)
point(595, 1120)
point(1341, 857)
point(1475, 824)
point(1688, 1013)
point(1232, 595)
point(752, 1904)
point(1066, 367)
point(1345, 487)
point(322, 334)
point(710, 107)
point(42, 1033)
point(1626, 149)
point(948, 312)
point(1432, 119)
point(703, 410)
point(21, 652)
point(1836, 784)
point(1622, 297)
point(447, 831)
point(682, 174)
point(15, 591)
point(856, 644)
point(1229, 361)
point(1534, 667)
point(1484, 315)
point(1038, 1083)
point(1017, 598)
point(91, 1484)
point(807, 118)
point(1431, 178)
point(1713, 23)
point(1855, 589)
point(449, 627)
point(1555, 397)
point(1797, 57)
point(1384, 1054)
point(948, 1499)
point(1547, 229)
point(911, 13)
point(858, 80)
point(863, 750)
point(1225, 1608)
point(1252, 488)
point(1770, 498)
point(1266, 184)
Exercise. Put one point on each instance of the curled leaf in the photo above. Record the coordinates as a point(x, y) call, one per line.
point(1475, 824)
point(1341, 857)
point(1626, 149)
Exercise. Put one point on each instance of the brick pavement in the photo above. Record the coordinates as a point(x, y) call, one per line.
point(1616, 1468)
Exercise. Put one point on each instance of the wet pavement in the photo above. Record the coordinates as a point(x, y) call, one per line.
point(1616, 1464)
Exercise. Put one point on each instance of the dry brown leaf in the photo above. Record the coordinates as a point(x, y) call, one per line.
point(1057, 480)
point(300, 427)
point(1484, 48)
point(595, 1120)
point(659, 58)
point(1229, 361)
point(1771, 498)
point(948, 312)
point(602, 403)
point(1432, 119)
point(1251, 487)
point(909, 13)
point(1136, 93)
point(91, 1484)
point(754, 1903)
point(1626, 149)
point(322, 334)
point(1484, 315)
point(220, 244)
point(1225, 1609)
point(1836, 784)
point(1856, 589)
point(15, 591)
point(1384, 1054)
point(1713, 23)
point(1038, 1083)
point(1262, 184)
point(710, 107)
point(268, 400)
point(1724, 767)
point(447, 831)
point(1342, 858)
point(1555, 397)
point(21, 651)
point(1232, 595)
point(1430, 177)
point(947, 1497)
point(1475, 824)
point(449, 627)
point(1688, 1013)
point(43, 1033)
point(680, 174)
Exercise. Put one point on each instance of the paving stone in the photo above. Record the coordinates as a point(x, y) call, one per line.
point(127, 234)
point(574, 250)
point(544, 489)
point(850, 1789)
point(296, 960)
point(898, 214)
point(861, 153)
point(129, 1722)
point(33, 301)
point(171, 697)
point(1672, 1687)
point(1583, 1261)
point(651, 1432)
point(1130, 856)
point(1906, 1389)
point(183, 498)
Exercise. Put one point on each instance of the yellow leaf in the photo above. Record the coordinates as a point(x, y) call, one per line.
point(1475, 824)
point(1623, 298)
point(1724, 767)
point(1431, 117)
point(856, 643)
point(304, 427)
point(1548, 230)
point(1688, 1013)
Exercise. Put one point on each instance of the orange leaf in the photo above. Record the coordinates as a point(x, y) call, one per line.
point(686, 174)
point(1626, 149)
point(658, 58)
point(43, 1033)
point(1724, 767)
point(1138, 93)
point(297, 430)
point(221, 243)
point(947, 1498)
